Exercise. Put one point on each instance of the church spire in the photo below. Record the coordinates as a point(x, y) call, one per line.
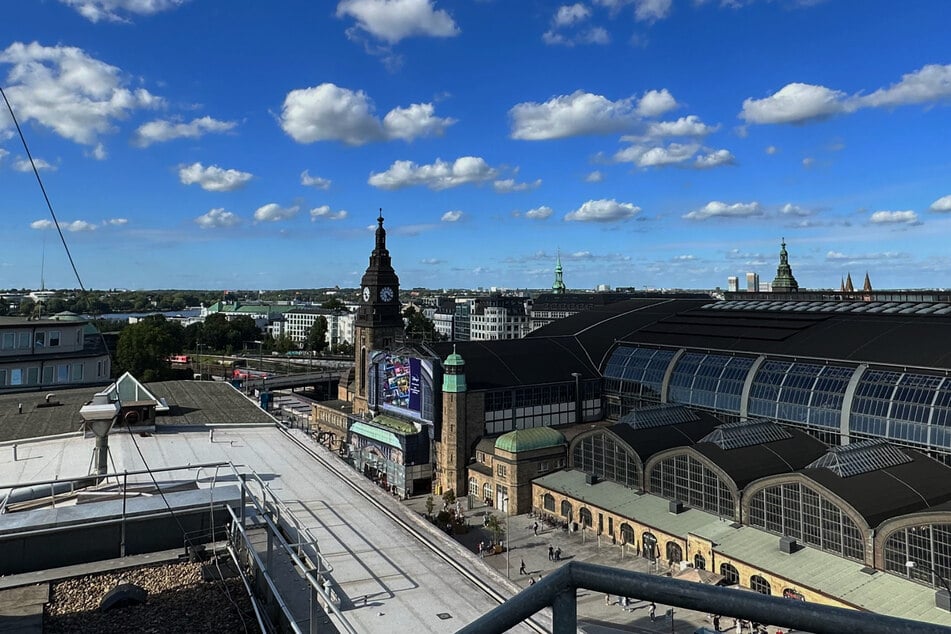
point(867, 286)
point(785, 282)
point(558, 288)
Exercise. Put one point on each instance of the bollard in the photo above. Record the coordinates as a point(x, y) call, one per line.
point(211, 435)
point(14, 453)
point(19, 408)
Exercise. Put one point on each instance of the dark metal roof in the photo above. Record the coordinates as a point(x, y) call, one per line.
point(917, 485)
point(648, 441)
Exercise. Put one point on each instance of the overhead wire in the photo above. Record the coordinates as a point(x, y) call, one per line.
point(79, 281)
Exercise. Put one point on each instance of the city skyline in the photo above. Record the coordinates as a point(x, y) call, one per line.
point(659, 143)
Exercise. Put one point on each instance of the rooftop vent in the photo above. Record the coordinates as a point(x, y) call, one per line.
point(788, 545)
point(49, 402)
point(590, 478)
point(676, 507)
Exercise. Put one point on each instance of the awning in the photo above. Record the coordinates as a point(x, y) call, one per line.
point(375, 433)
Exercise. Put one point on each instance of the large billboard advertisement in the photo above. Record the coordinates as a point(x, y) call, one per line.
point(404, 384)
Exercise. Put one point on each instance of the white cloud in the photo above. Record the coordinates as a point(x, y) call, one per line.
point(452, 216)
point(594, 177)
point(113, 10)
point(808, 162)
point(772, 149)
point(690, 125)
point(62, 88)
point(508, 185)
point(802, 103)
point(439, 175)
point(3, 153)
point(74, 226)
point(651, 10)
point(99, 152)
point(324, 212)
point(837, 256)
point(716, 158)
point(894, 217)
point(330, 113)
point(23, 165)
point(655, 103)
point(794, 103)
point(272, 212)
point(603, 210)
point(684, 258)
point(116, 222)
point(570, 115)
point(571, 13)
point(394, 20)
point(314, 181)
point(942, 204)
point(539, 213)
point(162, 130)
point(927, 84)
point(790, 209)
point(217, 218)
point(717, 209)
point(593, 35)
point(213, 178)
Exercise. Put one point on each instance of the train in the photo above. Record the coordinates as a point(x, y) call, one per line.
point(179, 358)
point(245, 374)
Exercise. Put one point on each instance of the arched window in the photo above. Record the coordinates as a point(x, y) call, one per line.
point(925, 545)
point(473, 487)
point(649, 546)
point(683, 477)
point(627, 534)
point(549, 502)
point(760, 585)
point(675, 553)
point(601, 455)
point(585, 517)
point(487, 492)
point(730, 573)
point(699, 562)
point(566, 509)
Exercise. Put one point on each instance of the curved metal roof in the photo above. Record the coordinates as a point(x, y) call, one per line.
point(530, 439)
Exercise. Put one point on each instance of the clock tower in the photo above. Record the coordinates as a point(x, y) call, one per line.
point(379, 322)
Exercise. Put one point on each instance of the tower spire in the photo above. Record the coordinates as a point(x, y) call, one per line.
point(785, 282)
point(558, 288)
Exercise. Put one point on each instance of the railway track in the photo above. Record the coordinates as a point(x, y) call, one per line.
point(427, 541)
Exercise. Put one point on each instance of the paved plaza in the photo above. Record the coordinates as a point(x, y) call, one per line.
point(594, 615)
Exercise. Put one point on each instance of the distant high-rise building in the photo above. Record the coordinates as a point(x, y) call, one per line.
point(752, 282)
point(733, 284)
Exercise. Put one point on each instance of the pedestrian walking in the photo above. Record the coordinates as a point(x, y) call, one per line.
point(738, 626)
point(716, 622)
point(652, 611)
point(521, 568)
point(607, 599)
point(551, 553)
point(482, 549)
point(535, 527)
point(531, 581)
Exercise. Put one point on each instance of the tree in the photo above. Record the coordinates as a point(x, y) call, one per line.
point(344, 348)
point(317, 337)
point(419, 327)
point(497, 526)
point(284, 344)
point(144, 348)
point(334, 303)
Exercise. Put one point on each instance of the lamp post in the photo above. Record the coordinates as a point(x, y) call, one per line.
point(942, 597)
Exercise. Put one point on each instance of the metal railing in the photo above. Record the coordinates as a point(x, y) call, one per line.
point(558, 591)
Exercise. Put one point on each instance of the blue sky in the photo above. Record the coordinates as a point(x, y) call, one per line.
point(658, 143)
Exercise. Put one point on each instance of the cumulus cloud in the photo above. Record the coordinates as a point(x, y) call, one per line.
point(837, 256)
point(162, 130)
point(790, 209)
point(655, 103)
point(117, 10)
point(594, 177)
point(690, 125)
point(116, 222)
point(942, 204)
point(717, 209)
point(330, 113)
point(583, 113)
point(437, 176)
point(272, 212)
point(217, 218)
point(324, 211)
point(716, 158)
point(69, 92)
point(569, 14)
point(894, 217)
point(794, 103)
point(213, 178)
point(771, 150)
point(23, 165)
point(539, 213)
point(314, 181)
point(593, 35)
point(652, 10)
point(802, 103)
point(99, 152)
point(603, 210)
point(452, 216)
point(395, 20)
point(508, 185)
point(74, 226)
point(808, 162)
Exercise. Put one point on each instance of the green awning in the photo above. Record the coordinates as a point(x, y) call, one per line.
point(381, 435)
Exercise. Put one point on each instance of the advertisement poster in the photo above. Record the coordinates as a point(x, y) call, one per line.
point(401, 387)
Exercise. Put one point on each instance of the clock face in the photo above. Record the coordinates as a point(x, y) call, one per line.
point(366, 293)
point(386, 293)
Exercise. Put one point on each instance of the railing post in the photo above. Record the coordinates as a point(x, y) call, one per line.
point(564, 609)
point(244, 497)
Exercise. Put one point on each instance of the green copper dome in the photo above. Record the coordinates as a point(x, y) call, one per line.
point(530, 439)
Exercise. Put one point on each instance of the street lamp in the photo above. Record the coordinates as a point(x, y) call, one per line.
point(942, 597)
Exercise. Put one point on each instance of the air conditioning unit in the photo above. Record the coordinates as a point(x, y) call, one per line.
point(676, 507)
point(788, 545)
point(590, 478)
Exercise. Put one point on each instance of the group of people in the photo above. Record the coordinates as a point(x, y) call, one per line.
point(741, 625)
point(554, 554)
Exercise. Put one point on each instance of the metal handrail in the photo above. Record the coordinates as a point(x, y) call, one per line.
point(558, 591)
